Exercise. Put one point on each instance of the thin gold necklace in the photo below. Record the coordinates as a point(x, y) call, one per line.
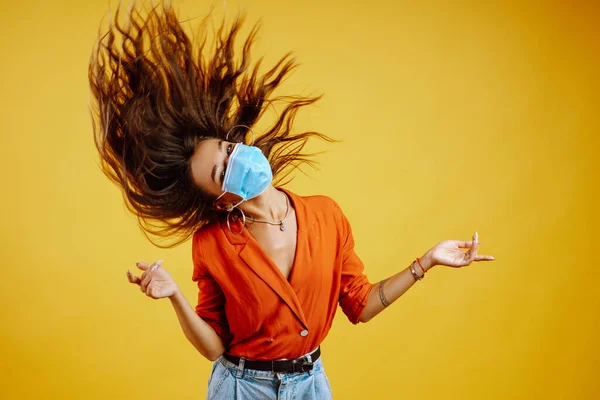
point(280, 223)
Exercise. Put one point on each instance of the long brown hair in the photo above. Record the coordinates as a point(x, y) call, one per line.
point(155, 97)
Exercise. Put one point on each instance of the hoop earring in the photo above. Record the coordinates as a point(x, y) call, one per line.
point(245, 126)
point(243, 219)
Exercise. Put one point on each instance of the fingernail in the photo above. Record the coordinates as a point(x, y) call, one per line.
point(159, 262)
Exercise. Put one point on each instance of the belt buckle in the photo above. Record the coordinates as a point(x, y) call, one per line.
point(305, 365)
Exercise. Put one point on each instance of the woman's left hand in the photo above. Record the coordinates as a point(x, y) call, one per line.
point(448, 253)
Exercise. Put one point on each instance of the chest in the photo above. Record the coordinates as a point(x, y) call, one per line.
point(279, 246)
point(279, 280)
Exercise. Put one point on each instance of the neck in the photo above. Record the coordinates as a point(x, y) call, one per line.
point(270, 205)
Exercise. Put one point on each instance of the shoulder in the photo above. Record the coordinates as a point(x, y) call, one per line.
point(316, 204)
point(202, 239)
point(322, 209)
point(320, 201)
point(203, 234)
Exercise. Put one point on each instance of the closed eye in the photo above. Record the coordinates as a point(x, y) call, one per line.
point(229, 150)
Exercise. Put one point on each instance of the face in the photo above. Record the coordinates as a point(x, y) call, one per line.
point(208, 166)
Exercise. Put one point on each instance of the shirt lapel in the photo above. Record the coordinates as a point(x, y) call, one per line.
point(299, 279)
point(257, 259)
point(264, 268)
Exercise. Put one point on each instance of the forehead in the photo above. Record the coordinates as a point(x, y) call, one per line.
point(206, 156)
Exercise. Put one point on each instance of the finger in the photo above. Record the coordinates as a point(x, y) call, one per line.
point(152, 267)
point(484, 258)
point(145, 282)
point(156, 265)
point(132, 278)
point(467, 244)
point(464, 244)
point(467, 259)
point(150, 287)
point(475, 245)
point(143, 265)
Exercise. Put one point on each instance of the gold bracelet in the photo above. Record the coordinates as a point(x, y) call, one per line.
point(414, 273)
point(382, 297)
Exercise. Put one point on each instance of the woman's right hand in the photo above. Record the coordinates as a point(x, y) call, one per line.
point(155, 282)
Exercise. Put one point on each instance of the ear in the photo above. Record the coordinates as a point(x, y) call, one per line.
point(220, 206)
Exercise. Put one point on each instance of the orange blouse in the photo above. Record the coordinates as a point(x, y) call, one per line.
point(257, 312)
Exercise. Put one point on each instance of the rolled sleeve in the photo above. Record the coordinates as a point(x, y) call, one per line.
point(211, 299)
point(355, 286)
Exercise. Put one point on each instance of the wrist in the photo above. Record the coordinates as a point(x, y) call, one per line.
point(427, 261)
point(176, 296)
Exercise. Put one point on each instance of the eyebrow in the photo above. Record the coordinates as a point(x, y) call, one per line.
point(214, 170)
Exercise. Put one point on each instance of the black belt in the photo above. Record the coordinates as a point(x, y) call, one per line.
point(301, 364)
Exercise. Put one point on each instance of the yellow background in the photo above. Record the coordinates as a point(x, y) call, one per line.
point(454, 119)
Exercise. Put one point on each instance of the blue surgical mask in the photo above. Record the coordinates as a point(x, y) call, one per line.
point(248, 173)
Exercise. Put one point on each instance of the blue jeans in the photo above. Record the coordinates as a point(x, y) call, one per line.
point(228, 381)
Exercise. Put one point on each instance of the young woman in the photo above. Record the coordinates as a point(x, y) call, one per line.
point(175, 131)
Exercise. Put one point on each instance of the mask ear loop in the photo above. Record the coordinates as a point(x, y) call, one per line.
point(245, 126)
point(235, 207)
point(229, 215)
point(221, 195)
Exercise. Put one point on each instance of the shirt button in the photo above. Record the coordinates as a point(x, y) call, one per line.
point(304, 333)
